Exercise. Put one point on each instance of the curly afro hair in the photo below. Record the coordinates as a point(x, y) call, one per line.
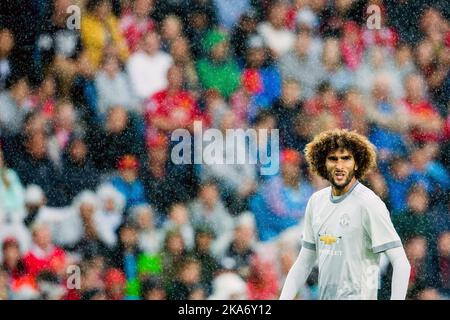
point(328, 141)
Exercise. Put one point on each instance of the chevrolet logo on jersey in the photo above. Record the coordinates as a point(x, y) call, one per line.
point(328, 239)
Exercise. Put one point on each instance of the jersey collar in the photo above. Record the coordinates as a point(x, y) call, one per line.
point(343, 196)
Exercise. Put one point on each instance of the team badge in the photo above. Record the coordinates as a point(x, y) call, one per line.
point(345, 220)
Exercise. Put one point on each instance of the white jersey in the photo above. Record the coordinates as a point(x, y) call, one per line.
point(348, 235)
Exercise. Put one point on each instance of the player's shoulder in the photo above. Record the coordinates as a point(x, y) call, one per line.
point(366, 196)
point(321, 194)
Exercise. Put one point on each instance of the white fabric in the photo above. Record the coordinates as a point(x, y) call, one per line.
point(348, 234)
point(148, 74)
point(298, 274)
point(280, 41)
point(401, 272)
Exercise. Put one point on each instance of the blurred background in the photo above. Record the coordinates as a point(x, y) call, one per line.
point(88, 104)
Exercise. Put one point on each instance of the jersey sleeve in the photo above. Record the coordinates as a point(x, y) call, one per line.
point(378, 224)
point(309, 241)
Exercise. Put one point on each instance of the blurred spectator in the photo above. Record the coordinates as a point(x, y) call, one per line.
point(116, 139)
point(376, 63)
point(418, 218)
point(388, 119)
point(78, 169)
point(171, 29)
point(339, 76)
point(425, 165)
point(88, 242)
point(43, 101)
point(352, 44)
point(64, 126)
point(12, 194)
point(158, 184)
point(278, 37)
point(126, 257)
point(236, 181)
point(421, 274)
point(218, 69)
point(208, 210)
point(113, 87)
point(127, 181)
point(400, 177)
point(100, 32)
point(6, 45)
point(49, 286)
point(173, 253)
point(300, 64)
point(241, 33)
point(326, 104)
point(110, 214)
point(268, 157)
point(238, 255)
point(35, 167)
point(443, 263)
point(429, 294)
point(286, 110)
point(43, 255)
point(147, 67)
point(172, 108)
point(13, 262)
point(178, 218)
point(83, 92)
point(261, 80)
point(34, 200)
point(229, 12)
point(281, 202)
point(58, 46)
point(403, 61)
point(199, 19)
point(262, 281)
point(354, 111)
point(153, 289)
point(14, 104)
point(204, 237)
point(180, 51)
point(186, 281)
point(115, 284)
point(150, 237)
point(137, 22)
point(229, 286)
point(425, 121)
point(336, 15)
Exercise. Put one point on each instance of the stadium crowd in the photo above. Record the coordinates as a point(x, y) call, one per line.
point(87, 185)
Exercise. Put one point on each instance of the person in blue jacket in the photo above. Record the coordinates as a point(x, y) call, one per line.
point(280, 203)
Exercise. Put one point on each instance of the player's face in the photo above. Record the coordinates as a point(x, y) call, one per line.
point(341, 167)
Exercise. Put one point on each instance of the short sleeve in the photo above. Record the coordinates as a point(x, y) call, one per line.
point(378, 224)
point(309, 241)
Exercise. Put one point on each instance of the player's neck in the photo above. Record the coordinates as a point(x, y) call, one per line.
point(340, 192)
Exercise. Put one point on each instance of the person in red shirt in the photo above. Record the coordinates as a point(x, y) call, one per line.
point(352, 45)
point(262, 282)
point(172, 108)
point(12, 260)
point(115, 284)
point(426, 124)
point(326, 102)
point(136, 22)
point(44, 255)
